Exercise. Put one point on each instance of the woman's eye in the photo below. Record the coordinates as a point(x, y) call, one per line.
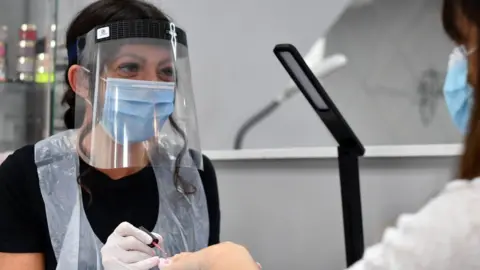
point(166, 74)
point(168, 71)
point(128, 68)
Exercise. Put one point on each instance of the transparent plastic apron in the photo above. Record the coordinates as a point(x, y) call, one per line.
point(182, 220)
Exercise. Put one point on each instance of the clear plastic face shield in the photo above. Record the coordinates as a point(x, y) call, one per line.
point(135, 78)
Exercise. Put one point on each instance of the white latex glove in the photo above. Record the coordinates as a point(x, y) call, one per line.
point(127, 249)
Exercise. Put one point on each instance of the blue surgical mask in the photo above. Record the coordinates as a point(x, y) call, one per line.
point(133, 110)
point(457, 91)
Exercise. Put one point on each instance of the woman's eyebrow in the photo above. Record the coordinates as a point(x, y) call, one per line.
point(165, 61)
point(138, 57)
point(142, 59)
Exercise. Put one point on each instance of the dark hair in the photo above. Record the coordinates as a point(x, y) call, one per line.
point(455, 14)
point(450, 21)
point(98, 13)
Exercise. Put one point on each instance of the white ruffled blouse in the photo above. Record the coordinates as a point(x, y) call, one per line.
point(443, 235)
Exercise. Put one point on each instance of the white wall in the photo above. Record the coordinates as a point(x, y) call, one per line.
point(389, 44)
point(235, 71)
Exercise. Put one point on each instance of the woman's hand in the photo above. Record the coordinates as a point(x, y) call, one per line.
point(218, 257)
point(127, 248)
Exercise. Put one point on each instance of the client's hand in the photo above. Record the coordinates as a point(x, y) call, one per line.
point(183, 261)
point(218, 257)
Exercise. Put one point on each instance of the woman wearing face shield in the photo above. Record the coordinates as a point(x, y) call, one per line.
point(130, 159)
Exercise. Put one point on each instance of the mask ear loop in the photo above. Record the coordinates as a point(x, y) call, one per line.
point(464, 51)
point(87, 71)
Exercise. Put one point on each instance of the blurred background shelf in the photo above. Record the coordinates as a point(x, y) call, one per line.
point(22, 110)
point(28, 72)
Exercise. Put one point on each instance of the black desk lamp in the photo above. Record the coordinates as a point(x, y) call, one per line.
point(349, 146)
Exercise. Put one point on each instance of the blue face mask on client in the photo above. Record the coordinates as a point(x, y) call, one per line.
point(133, 110)
point(457, 91)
